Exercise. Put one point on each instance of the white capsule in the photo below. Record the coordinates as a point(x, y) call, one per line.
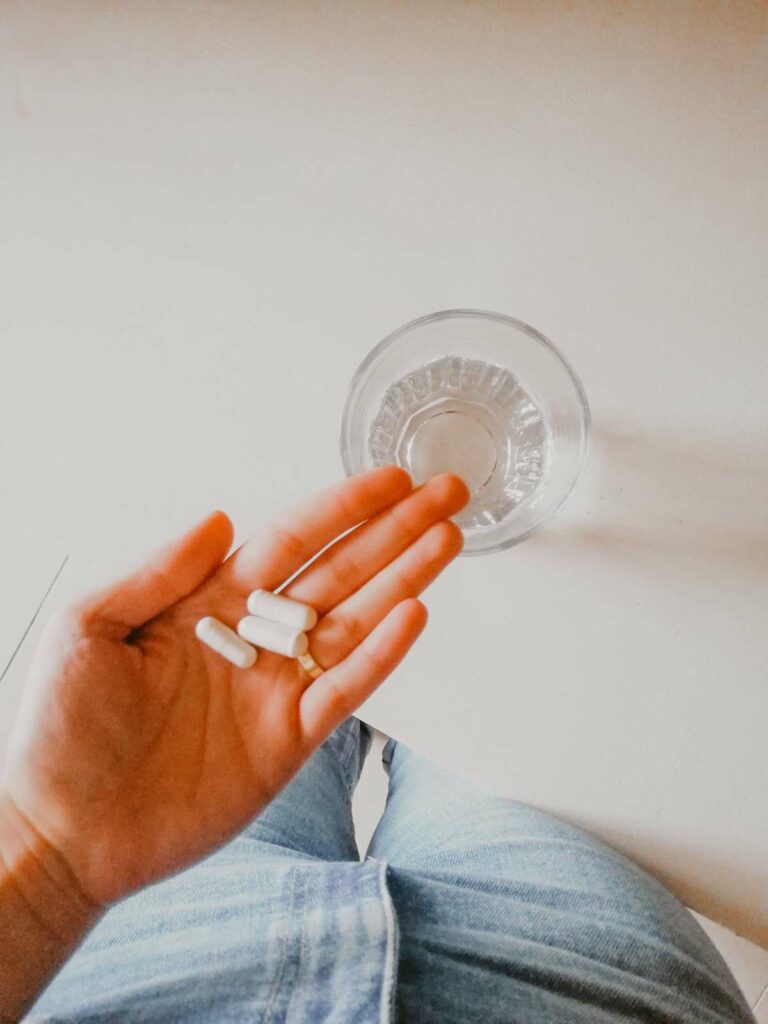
point(225, 641)
point(273, 636)
point(277, 608)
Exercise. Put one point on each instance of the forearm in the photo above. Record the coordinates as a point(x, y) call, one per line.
point(43, 915)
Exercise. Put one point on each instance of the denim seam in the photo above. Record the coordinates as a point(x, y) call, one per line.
point(302, 940)
point(389, 974)
point(284, 953)
point(346, 756)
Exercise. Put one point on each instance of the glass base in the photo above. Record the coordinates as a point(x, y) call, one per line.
point(464, 416)
point(450, 441)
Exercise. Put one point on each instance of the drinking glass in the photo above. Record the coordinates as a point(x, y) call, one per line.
point(481, 395)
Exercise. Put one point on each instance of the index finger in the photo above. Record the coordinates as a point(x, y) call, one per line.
point(272, 556)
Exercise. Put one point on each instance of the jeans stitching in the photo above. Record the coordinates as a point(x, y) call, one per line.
point(284, 952)
point(346, 754)
point(302, 941)
point(389, 973)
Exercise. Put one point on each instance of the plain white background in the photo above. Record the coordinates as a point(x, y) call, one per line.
point(210, 212)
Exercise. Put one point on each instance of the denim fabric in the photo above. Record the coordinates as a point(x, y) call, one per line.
point(506, 914)
point(282, 924)
point(469, 908)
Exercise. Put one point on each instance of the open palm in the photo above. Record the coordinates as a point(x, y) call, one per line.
point(138, 750)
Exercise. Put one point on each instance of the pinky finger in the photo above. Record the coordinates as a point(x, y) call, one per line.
point(342, 689)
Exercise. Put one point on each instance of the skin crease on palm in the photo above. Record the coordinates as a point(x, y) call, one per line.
point(138, 750)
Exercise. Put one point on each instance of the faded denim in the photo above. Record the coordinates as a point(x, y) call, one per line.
point(468, 908)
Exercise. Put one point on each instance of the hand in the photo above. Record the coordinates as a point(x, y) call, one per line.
point(138, 750)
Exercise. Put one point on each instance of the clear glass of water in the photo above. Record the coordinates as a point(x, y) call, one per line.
point(478, 394)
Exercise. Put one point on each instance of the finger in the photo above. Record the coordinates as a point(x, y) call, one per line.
point(408, 575)
point(337, 693)
point(171, 573)
point(355, 559)
point(269, 559)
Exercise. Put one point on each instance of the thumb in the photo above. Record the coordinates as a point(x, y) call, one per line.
point(171, 573)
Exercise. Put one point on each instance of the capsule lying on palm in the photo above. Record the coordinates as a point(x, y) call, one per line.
point(225, 641)
point(273, 636)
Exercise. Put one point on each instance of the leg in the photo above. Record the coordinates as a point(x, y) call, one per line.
point(312, 816)
point(251, 929)
point(506, 914)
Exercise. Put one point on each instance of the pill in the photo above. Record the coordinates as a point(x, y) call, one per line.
point(273, 636)
point(225, 641)
point(281, 609)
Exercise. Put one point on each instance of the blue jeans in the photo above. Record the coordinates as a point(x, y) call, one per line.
point(468, 908)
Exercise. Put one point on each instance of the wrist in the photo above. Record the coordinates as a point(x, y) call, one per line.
point(40, 875)
point(43, 913)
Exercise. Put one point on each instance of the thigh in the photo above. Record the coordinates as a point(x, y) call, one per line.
point(507, 914)
point(233, 940)
point(312, 815)
point(223, 940)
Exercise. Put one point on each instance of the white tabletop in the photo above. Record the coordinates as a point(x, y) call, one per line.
point(209, 214)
